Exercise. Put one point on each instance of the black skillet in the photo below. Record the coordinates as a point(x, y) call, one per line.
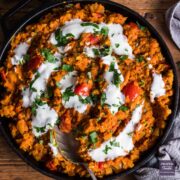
point(32, 17)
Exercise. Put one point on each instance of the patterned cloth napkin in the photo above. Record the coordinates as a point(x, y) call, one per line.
point(165, 165)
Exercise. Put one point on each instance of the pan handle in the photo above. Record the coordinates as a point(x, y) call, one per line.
point(10, 13)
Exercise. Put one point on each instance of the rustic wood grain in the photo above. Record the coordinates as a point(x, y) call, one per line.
point(11, 166)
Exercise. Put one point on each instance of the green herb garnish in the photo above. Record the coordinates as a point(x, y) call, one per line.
point(46, 53)
point(140, 26)
point(117, 45)
point(32, 82)
point(116, 78)
point(112, 67)
point(62, 39)
point(90, 24)
point(67, 67)
point(93, 137)
point(103, 98)
point(123, 108)
point(139, 58)
point(114, 143)
point(104, 31)
point(40, 129)
point(86, 100)
point(123, 57)
point(67, 94)
point(107, 148)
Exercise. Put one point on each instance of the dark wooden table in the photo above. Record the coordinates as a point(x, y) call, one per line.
point(11, 166)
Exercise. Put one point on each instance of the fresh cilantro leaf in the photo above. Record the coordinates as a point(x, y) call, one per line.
point(112, 67)
point(123, 57)
point(139, 58)
point(116, 78)
point(35, 78)
point(67, 94)
point(117, 45)
point(123, 108)
point(104, 30)
point(107, 148)
point(67, 67)
point(46, 53)
point(40, 129)
point(93, 137)
point(140, 26)
point(61, 39)
point(90, 24)
point(103, 98)
point(86, 100)
point(114, 143)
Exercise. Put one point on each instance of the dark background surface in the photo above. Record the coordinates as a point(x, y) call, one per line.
point(11, 166)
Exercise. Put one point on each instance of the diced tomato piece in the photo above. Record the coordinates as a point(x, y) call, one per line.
point(82, 90)
point(133, 25)
point(33, 63)
point(93, 39)
point(100, 165)
point(51, 165)
point(3, 74)
point(131, 91)
point(98, 15)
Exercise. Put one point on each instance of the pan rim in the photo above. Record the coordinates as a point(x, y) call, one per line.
point(47, 7)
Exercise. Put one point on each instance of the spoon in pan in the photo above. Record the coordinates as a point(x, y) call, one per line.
point(68, 147)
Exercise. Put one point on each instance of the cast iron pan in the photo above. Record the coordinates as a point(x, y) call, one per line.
point(32, 17)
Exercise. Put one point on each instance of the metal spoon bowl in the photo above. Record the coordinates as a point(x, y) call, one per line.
point(68, 146)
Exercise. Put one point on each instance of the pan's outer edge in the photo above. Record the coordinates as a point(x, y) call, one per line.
point(47, 7)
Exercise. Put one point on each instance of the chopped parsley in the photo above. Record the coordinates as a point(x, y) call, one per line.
point(139, 58)
point(117, 45)
point(104, 31)
point(67, 67)
point(103, 98)
point(40, 129)
point(62, 39)
point(67, 94)
point(102, 51)
point(123, 108)
point(94, 98)
point(123, 57)
point(130, 134)
point(112, 67)
point(141, 83)
point(107, 148)
point(58, 121)
point(58, 84)
point(37, 102)
point(86, 100)
point(116, 78)
point(93, 137)
point(90, 24)
point(46, 53)
point(114, 143)
point(140, 26)
point(32, 82)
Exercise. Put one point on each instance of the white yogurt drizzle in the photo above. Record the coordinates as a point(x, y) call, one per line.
point(73, 102)
point(120, 145)
point(40, 83)
point(119, 41)
point(157, 87)
point(45, 119)
point(19, 53)
point(54, 149)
